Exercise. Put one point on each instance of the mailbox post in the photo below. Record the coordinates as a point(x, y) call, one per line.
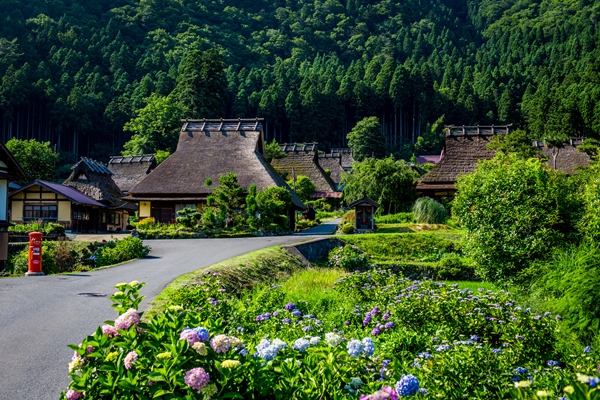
point(35, 254)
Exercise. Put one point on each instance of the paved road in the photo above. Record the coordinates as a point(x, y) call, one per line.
point(39, 316)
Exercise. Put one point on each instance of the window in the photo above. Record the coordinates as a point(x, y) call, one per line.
point(103, 218)
point(115, 219)
point(39, 211)
point(81, 215)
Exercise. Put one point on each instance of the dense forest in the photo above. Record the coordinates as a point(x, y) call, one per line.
point(77, 72)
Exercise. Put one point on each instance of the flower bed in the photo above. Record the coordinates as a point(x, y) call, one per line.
point(372, 335)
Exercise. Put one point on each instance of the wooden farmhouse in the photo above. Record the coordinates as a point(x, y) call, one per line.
point(128, 171)
point(87, 201)
point(10, 170)
point(52, 202)
point(465, 145)
point(303, 159)
point(206, 150)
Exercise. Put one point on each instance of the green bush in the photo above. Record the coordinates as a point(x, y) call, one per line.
point(189, 217)
point(347, 229)
point(305, 224)
point(428, 211)
point(514, 212)
point(454, 267)
point(118, 251)
point(348, 258)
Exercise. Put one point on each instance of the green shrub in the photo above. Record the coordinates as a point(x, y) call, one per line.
point(52, 228)
point(305, 224)
point(452, 266)
point(428, 211)
point(347, 229)
point(348, 258)
point(514, 211)
point(189, 217)
point(118, 251)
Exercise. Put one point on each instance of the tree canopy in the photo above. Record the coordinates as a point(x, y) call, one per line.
point(37, 159)
point(366, 139)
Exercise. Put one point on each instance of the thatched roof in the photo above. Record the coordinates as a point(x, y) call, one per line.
point(304, 160)
point(208, 149)
point(94, 179)
point(333, 163)
point(128, 171)
point(568, 157)
point(464, 147)
point(346, 155)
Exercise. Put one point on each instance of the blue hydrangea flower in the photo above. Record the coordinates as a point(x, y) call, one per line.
point(587, 349)
point(520, 370)
point(314, 340)
point(290, 306)
point(356, 382)
point(202, 333)
point(268, 353)
point(301, 344)
point(408, 385)
point(552, 363)
point(425, 355)
point(497, 351)
point(280, 344)
point(286, 321)
point(442, 347)
point(307, 328)
point(368, 346)
point(355, 347)
point(297, 313)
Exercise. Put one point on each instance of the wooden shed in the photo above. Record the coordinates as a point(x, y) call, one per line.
point(364, 214)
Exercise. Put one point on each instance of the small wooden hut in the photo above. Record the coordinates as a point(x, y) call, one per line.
point(364, 214)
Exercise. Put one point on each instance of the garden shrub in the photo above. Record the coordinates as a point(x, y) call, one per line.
point(348, 258)
point(118, 251)
point(305, 224)
point(188, 217)
point(454, 267)
point(145, 223)
point(347, 229)
point(590, 222)
point(514, 211)
point(428, 211)
point(65, 257)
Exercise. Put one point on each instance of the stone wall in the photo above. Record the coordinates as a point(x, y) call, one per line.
point(313, 250)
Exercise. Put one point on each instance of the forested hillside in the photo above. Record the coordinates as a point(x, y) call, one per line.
point(74, 72)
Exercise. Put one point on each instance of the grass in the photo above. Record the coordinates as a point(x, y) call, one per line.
point(313, 287)
point(272, 264)
point(474, 285)
point(418, 246)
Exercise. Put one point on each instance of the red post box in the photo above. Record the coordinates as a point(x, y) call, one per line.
point(35, 254)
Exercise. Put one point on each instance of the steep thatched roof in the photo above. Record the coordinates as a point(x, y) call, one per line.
point(208, 149)
point(346, 155)
point(128, 171)
point(304, 160)
point(94, 179)
point(568, 158)
point(464, 147)
point(333, 163)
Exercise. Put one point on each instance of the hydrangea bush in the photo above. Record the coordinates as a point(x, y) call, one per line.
point(392, 338)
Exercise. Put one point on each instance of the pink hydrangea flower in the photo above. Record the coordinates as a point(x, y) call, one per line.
point(73, 395)
point(109, 331)
point(196, 378)
point(220, 343)
point(385, 393)
point(130, 359)
point(131, 317)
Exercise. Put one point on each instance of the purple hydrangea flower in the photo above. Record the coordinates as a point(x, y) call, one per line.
point(290, 306)
point(196, 378)
point(297, 313)
point(389, 325)
point(307, 328)
point(286, 321)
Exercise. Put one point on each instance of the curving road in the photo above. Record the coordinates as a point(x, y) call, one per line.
point(40, 316)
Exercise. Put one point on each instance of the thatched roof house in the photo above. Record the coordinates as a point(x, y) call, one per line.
point(465, 145)
point(346, 157)
point(128, 171)
point(303, 159)
point(206, 149)
point(333, 163)
point(94, 179)
point(567, 158)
